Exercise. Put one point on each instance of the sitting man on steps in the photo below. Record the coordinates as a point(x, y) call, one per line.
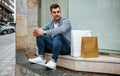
point(55, 36)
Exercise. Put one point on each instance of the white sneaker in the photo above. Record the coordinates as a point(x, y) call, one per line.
point(37, 60)
point(51, 64)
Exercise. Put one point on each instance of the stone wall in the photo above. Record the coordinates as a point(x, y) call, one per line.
point(26, 21)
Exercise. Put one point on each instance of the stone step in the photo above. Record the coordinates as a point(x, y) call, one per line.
point(102, 64)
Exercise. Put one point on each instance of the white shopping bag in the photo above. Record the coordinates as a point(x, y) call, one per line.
point(76, 37)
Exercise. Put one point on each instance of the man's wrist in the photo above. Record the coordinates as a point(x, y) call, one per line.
point(44, 32)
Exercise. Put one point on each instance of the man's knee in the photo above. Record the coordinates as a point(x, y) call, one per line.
point(38, 38)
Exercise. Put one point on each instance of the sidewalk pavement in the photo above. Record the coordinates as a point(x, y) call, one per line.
point(7, 56)
point(7, 61)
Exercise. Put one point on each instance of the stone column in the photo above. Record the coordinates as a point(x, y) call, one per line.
point(21, 25)
point(32, 20)
point(27, 20)
point(32, 23)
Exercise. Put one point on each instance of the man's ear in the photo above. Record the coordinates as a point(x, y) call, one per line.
point(51, 12)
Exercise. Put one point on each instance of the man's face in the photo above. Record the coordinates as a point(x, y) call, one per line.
point(56, 13)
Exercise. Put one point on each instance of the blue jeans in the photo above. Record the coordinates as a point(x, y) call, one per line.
point(57, 45)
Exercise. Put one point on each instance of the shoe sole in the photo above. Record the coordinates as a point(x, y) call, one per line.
point(50, 67)
point(37, 62)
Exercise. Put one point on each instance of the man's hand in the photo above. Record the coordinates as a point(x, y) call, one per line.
point(38, 32)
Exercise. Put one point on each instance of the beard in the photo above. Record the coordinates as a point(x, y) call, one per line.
point(57, 17)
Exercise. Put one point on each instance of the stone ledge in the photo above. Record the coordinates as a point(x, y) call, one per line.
point(102, 64)
point(25, 68)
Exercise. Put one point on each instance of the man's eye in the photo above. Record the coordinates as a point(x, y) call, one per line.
point(58, 11)
point(54, 12)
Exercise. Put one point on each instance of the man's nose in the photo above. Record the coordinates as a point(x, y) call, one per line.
point(56, 13)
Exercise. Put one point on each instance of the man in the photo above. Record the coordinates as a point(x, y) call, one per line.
point(54, 36)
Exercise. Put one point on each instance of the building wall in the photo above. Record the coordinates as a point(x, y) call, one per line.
point(100, 16)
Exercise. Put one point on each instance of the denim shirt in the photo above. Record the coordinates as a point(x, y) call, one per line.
point(64, 28)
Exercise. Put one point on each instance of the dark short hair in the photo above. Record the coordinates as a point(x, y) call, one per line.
point(55, 5)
